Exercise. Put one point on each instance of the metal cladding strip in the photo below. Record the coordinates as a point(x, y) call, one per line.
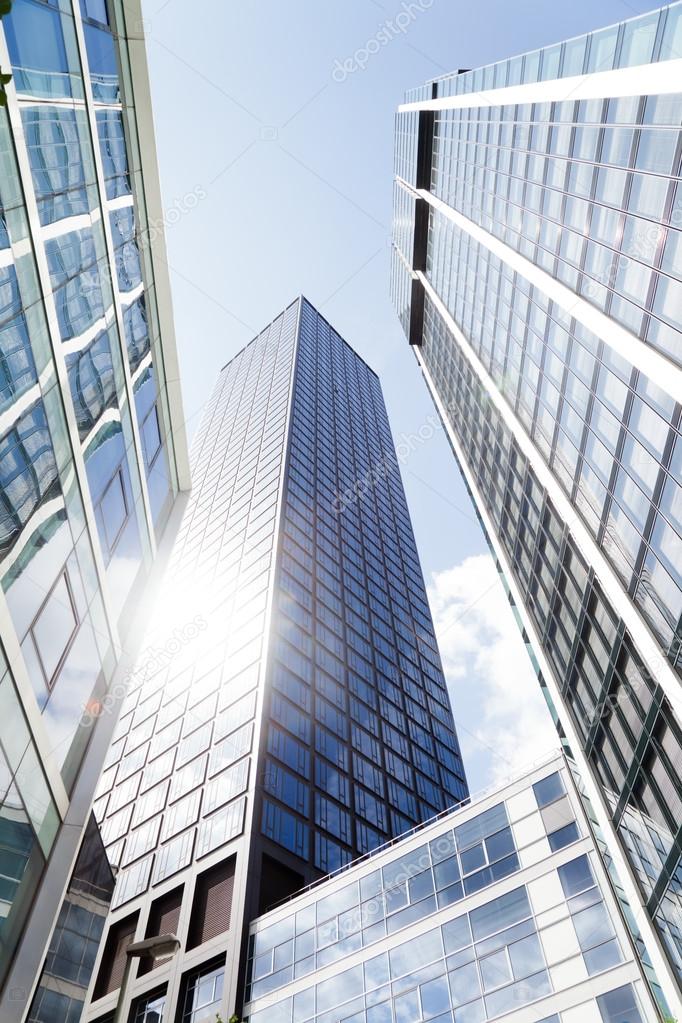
point(645, 80)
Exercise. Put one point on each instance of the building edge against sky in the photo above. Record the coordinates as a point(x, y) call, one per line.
point(417, 928)
point(318, 726)
point(536, 271)
point(92, 462)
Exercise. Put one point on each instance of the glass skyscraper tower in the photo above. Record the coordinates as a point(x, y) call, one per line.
point(92, 458)
point(300, 716)
point(537, 265)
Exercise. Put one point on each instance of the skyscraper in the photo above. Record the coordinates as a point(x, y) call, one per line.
point(290, 711)
point(536, 272)
point(92, 458)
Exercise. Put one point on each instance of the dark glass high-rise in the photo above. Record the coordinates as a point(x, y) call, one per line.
point(301, 718)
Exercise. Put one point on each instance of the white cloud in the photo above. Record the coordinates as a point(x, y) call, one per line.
point(503, 720)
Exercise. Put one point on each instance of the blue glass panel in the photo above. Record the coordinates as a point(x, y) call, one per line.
point(17, 368)
point(576, 876)
point(329, 856)
point(106, 464)
point(153, 450)
point(285, 829)
point(487, 823)
point(501, 912)
point(620, 1006)
point(113, 149)
point(564, 836)
point(54, 150)
point(103, 64)
point(75, 277)
point(35, 40)
point(28, 473)
point(137, 334)
point(128, 269)
point(285, 787)
point(549, 789)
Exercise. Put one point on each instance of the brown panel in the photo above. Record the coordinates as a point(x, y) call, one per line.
point(114, 958)
point(212, 903)
point(164, 917)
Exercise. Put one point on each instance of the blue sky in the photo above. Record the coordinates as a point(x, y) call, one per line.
point(276, 177)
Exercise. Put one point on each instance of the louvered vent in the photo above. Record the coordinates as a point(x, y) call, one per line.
point(114, 959)
point(212, 903)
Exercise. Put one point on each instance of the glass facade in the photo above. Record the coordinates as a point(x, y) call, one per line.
point(539, 296)
point(317, 726)
point(548, 935)
point(75, 940)
point(89, 465)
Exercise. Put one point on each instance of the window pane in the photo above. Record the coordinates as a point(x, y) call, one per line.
point(114, 511)
point(620, 1006)
point(54, 627)
point(500, 913)
point(576, 876)
point(549, 789)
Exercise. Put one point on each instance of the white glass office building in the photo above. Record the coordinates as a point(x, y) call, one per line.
point(499, 910)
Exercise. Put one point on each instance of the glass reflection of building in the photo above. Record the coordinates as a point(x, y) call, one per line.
point(301, 717)
point(537, 272)
point(91, 462)
point(498, 910)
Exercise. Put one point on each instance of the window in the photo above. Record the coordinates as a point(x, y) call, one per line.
point(173, 856)
point(331, 781)
point(226, 786)
point(329, 856)
point(54, 628)
point(203, 992)
point(500, 913)
point(285, 787)
point(289, 751)
point(484, 824)
point(149, 1009)
point(332, 818)
point(549, 789)
point(92, 382)
point(495, 970)
point(112, 514)
point(151, 437)
point(620, 1006)
point(576, 876)
point(37, 49)
point(285, 829)
point(113, 150)
point(181, 814)
point(223, 826)
point(563, 836)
